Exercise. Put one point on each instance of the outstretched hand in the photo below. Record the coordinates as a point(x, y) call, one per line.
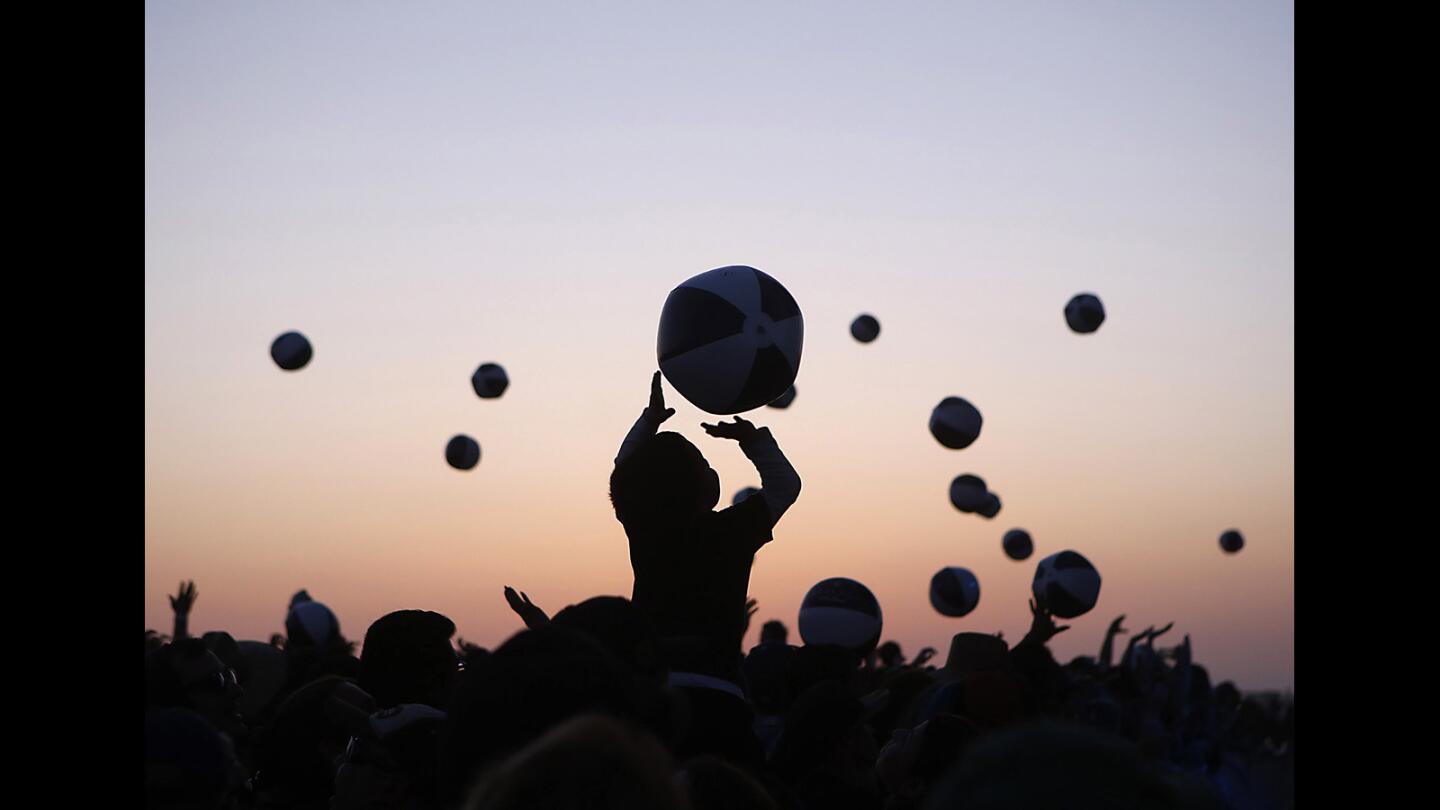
point(528, 611)
point(1152, 633)
point(751, 607)
point(1115, 626)
point(739, 430)
point(656, 411)
point(925, 655)
point(183, 599)
point(1042, 624)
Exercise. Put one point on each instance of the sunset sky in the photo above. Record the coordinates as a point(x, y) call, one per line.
point(423, 188)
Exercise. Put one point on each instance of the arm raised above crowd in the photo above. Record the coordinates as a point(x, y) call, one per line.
point(779, 483)
point(651, 418)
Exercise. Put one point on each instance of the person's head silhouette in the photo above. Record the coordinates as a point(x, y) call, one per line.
point(665, 480)
point(408, 658)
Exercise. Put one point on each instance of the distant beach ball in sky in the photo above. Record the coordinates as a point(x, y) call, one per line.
point(730, 339)
point(954, 591)
point(1231, 541)
point(991, 507)
point(489, 381)
point(291, 351)
point(1067, 584)
point(462, 452)
point(1017, 544)
point(783, 401)
point(967, 493)
point(955, 423)
point(743, 494)
point(841, 612)
point(1084, 313)
point(865, 328)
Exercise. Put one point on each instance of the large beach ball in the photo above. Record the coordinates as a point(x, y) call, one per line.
point(955, 423)
point(954, 591)
point(1017, 544)
point(291, 351)
point(1067, 584)
point(1084, 313)
point(1231, 541)
point(730, 339)
point(462, 452)
point(489, 381)
point(841, 612)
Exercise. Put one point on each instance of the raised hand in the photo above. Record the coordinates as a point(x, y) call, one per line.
point(751, 606)
point(183, 599)
point(656, 411)
point(181, 602)
point(739, 430)
point(1153, 634)
point(1042, 624)
point(925, 655)
point(1115, 626)
point(528, 611)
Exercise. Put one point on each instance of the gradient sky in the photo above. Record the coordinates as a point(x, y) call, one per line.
point(426, 187)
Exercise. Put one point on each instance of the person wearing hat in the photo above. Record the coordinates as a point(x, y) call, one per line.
point(314, 646)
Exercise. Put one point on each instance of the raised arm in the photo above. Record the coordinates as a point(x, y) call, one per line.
point(779, 483)
point(181, 602)
point(650, 420)
point(528, 611)
point(1107, 649)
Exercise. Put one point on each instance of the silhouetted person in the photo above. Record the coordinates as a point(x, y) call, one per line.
point(692, 564)
point(314, 646)
point(297, 752)
point(408, 658)
point(773, 631)
point(185, 674)
point(890, 655)
point(528, 685)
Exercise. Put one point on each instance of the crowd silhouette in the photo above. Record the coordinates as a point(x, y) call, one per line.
point(650, 701)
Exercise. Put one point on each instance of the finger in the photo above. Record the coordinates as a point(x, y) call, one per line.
point(1062, 629)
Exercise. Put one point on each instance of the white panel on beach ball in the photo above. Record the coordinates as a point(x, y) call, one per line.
point(841, 612)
